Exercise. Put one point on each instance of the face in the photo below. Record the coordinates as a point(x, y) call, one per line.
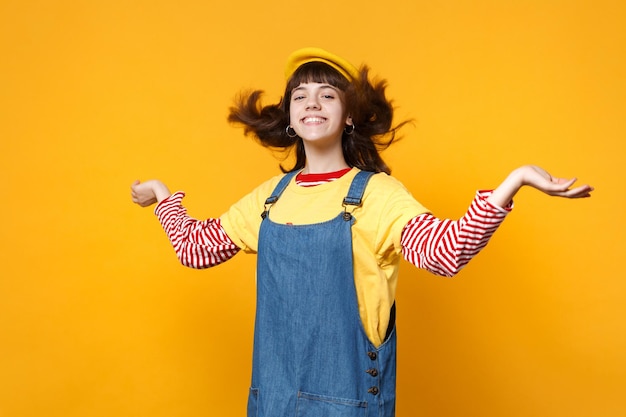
point(317, 113)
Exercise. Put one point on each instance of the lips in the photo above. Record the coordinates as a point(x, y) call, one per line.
point(313, 120)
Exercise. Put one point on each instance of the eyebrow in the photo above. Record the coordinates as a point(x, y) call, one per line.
point(322, 86)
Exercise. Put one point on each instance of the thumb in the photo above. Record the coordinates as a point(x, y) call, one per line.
point(564, 183)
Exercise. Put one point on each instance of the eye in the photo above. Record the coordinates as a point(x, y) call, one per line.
point(328, 93)
point(297, 97)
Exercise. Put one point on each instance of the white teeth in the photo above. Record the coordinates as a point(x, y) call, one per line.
point(313, 120)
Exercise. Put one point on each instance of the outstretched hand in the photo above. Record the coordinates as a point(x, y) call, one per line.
point(536, 177)
point(149, 192)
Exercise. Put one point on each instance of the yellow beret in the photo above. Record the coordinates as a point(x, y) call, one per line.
point(304, 55)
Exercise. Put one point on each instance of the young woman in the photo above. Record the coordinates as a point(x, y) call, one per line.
point(329, 235)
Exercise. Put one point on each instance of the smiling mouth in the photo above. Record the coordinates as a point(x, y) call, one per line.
point(313, 120)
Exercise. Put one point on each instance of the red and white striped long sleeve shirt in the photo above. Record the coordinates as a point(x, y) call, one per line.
point(442, 247)
point(198, 244)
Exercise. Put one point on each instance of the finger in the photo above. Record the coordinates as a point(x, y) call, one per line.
point(564, 182)
point(582, 191)
point(560, 186)
point(578, 192)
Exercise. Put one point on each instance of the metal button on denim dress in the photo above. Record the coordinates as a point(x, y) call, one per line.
point(312, 357)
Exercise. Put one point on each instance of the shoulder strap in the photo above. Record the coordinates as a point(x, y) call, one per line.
point(357, 188)
point(278, 190)
point(355, 193)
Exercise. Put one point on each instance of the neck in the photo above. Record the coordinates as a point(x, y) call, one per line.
point(316, 165)
point(323, 168)
point(320, 160)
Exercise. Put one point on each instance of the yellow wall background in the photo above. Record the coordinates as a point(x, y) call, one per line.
point(98, 319)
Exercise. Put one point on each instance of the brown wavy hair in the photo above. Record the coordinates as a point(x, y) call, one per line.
point(366, 103)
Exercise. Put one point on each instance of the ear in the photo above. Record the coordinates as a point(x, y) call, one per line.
point(349, 121)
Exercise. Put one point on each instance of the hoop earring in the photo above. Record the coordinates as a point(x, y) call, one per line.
point(290, 132)
point(349, 129)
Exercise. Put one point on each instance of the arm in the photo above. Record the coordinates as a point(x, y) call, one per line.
point(444, 247)
point(198, 244)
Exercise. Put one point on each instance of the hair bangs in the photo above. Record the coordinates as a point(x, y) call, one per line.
point(317, 72)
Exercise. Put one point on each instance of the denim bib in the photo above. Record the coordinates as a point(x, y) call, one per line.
point(312, 357)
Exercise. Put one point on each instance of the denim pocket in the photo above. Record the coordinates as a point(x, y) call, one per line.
point(253, 402)
point(313, 405)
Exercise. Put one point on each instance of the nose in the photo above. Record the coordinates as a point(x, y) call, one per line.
point(312, 103)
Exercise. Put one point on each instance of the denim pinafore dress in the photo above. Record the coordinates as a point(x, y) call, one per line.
point(311, 356)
